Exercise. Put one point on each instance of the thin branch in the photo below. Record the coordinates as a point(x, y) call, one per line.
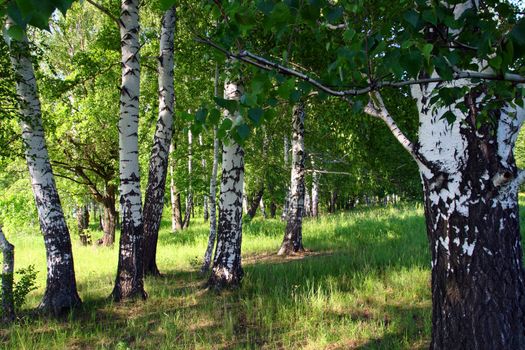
point(105, 11)
point(268, 65)
point(318, 171)
point(376, 108)
point(335, 26)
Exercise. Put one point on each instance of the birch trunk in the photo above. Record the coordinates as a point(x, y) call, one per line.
point(245, 206)
point(61, 290)
point(176, 216)
point(158, 166)
point(307, 201)
point(284, 215)
point(213, 206)
point(293, 237)
point(315, 191)
point(8, 269)
point(252, 210)
point(129, 282)
point(263, 208)
point(227, 270)
point(109, 223)
point(189, 198)
point(472, 218)
point(205, 196)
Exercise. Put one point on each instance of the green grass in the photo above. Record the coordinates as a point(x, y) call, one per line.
point(363, 284)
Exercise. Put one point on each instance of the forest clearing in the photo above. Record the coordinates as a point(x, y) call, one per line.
point(363, 284)
point(209, 174)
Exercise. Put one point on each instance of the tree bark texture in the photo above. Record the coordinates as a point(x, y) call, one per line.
point(471, 210)
point(227, 270)
point(8, 269)
point(252, 210)
point(61, 290)
point(263, 208)
point(158, 166)
point(176, 215)
point(307, 201)
point(293, 237)
point(213, 205)
point(286, 206)
point(129, 282)
point(205, 196)
point(315, 194)
point(109, 223)
point(83, 224)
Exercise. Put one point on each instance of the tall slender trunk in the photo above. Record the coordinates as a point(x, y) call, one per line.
point(61, 289)
point(109, 223)
point(213, 206)
point(227, 270)
point(8, 269)
point(307, 201)
point(315, 193)
point(273, 209)
point(286, 206)
point(245, 205)
point(293, 237)
point(263, 208)
point(129, 282)
point(189, 197)
point(205, 196)
point(82, 213)
point(213, 187)
point(158, 166)
point(176, 216)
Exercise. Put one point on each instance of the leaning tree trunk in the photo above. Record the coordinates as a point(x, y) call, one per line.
point(129, 282)
point(213, 206)
point(471, 185)
point(176, 216)
point(227, 270)
point(158, 166)
point(8, 301)
point(189, 198)
point(61, 289)
point(293, 237)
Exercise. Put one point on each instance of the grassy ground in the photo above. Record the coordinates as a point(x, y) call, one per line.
point(364, 284)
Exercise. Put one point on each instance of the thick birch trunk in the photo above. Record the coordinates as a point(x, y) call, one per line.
point(8, 269)
point(176, 216)
point(293, 237)
point(61, 290)
point(189, 198)
point(471, 210)
point(227, 270)
point(158, 166)
point(213, 206)
point(129, 282)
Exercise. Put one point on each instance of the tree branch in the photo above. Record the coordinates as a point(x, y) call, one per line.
point(376, 108)
point(105, 11)
point(263, 63)
point(318, 171)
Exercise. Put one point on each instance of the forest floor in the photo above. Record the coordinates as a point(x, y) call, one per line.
point(363, 284)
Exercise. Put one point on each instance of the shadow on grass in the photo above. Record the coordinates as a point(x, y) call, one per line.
point(349, 279)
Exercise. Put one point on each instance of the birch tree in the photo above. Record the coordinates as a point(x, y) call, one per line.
point(465, 75)
point(293, 237)
point(129, 282)
point(158, 167)
point(227, 270)
point(61, 291)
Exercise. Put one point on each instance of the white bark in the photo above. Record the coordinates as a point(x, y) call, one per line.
point(173, 194)
point(227, 270)
point(61, 290)
point(286, 206)
point(263, 208)
point(8, 269)
point(189, 197)
point(315, 191)
point(205, 196)
point(244, 198)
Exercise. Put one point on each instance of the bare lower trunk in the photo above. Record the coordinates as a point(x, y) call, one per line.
point(273, 209)
point(109, 223)
point(158, 167)
point(205, 197)
point(315, 194)
point(8, 304)
point(61, 290)
point(293, 237)
point(176, 216)
point(129, 283)
point(187, 213)
point(245, 206)
point(263, 208)
point(189, 198)
point(213, 206)
point(307, 202)
point(286, 206)
point(252, 210)
point(227, 270)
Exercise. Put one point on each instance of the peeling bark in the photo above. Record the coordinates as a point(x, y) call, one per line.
point(129, 283)
point(158, 166)
point(227, 270)
point(61, 290)
point(293, 238)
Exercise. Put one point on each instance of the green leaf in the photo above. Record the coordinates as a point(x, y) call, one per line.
point(449, 116)
point(230, 105)
point(255, 114)
point(184, 116)
point(285, 89)
point(200, 116)
point(517, 33)
point(495, 62)
point(224, 128)
point(15, 32)
point(412, 17)
point(426, 51)
point(214, 116)
point(334, 14)
point(166, 4)
point(243, 131)
point(349, 34)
